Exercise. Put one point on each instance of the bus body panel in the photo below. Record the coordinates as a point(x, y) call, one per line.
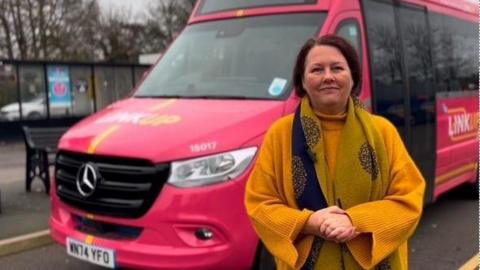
point(457, 140)
point(165, 127)
point(259, 11)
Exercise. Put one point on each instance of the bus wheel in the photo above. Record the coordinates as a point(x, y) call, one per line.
point(263, 259)
point(474, 189)
point(470, 190)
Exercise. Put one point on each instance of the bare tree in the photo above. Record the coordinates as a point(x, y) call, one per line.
point(6, 40)
point(77, 30)
point(14, 6)
point(166, 18)
point(37, 29)
point(120, 38)
point(78, 36)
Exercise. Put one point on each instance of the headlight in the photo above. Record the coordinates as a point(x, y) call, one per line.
point(211, 169)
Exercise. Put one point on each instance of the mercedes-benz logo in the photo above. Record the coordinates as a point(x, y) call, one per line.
point(87, 178)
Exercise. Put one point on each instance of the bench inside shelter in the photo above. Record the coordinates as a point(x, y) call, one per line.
point(41, 147)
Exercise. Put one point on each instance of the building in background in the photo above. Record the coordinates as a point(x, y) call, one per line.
point(148, 59)
point(45, 93)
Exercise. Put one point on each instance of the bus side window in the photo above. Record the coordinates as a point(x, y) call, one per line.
point(454, 50)
point(350, 30)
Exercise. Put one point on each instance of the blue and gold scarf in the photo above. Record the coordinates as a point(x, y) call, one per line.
point(361, 173)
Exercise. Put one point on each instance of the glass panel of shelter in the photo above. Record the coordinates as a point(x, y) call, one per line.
point(9, 106)
point(139, 73)
point(33, 91)
point(82, 90)
point(111, 84)
point(104, 86)
point(123, 82)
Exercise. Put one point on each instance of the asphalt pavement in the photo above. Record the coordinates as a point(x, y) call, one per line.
point(448, 233)
point(22, 212)
point(446, 238)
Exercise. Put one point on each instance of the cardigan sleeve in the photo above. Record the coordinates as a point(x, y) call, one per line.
point(278, 225)
point(388, 223)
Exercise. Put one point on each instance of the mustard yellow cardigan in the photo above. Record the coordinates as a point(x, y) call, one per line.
point(385, 225)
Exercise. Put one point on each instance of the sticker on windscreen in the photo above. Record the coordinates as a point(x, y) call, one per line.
point(277, 87)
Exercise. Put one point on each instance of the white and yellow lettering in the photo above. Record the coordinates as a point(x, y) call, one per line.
point(462, 125)
point(156, 120)
point(143, 119)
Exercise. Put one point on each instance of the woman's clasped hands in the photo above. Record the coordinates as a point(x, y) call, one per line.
point(332, 224)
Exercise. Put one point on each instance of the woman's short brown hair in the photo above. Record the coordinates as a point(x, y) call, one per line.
point(343, 46)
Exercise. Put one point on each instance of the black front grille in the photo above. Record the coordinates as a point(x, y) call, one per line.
point(126, 187)
point(105, 229)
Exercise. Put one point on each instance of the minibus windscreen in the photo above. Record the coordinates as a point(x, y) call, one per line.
point(250, 58)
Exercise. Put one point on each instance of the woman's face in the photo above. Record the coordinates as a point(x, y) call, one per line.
point(327, 79)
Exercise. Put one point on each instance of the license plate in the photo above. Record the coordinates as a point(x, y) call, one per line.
point(90, 253)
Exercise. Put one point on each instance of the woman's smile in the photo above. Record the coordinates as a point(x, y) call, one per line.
point(333, 88)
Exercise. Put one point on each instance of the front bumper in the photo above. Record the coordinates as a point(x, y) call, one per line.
point(167, 239)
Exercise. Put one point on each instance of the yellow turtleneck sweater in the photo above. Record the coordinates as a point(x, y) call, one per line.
point(331, 129)
point(384, 225)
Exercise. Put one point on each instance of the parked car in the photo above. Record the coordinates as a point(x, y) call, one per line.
point(32, 109)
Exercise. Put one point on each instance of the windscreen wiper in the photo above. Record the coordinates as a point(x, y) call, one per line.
point(159, 96)
point(225, 97)
point(203, 97)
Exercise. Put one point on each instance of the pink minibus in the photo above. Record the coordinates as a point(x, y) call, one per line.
point(156, 180)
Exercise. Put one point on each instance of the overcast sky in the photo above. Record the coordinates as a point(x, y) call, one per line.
point(134, 5)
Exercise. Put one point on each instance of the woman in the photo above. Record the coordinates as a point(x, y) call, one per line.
point(334, 186)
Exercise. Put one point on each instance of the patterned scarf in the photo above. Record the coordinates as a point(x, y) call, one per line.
point(361, 168)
